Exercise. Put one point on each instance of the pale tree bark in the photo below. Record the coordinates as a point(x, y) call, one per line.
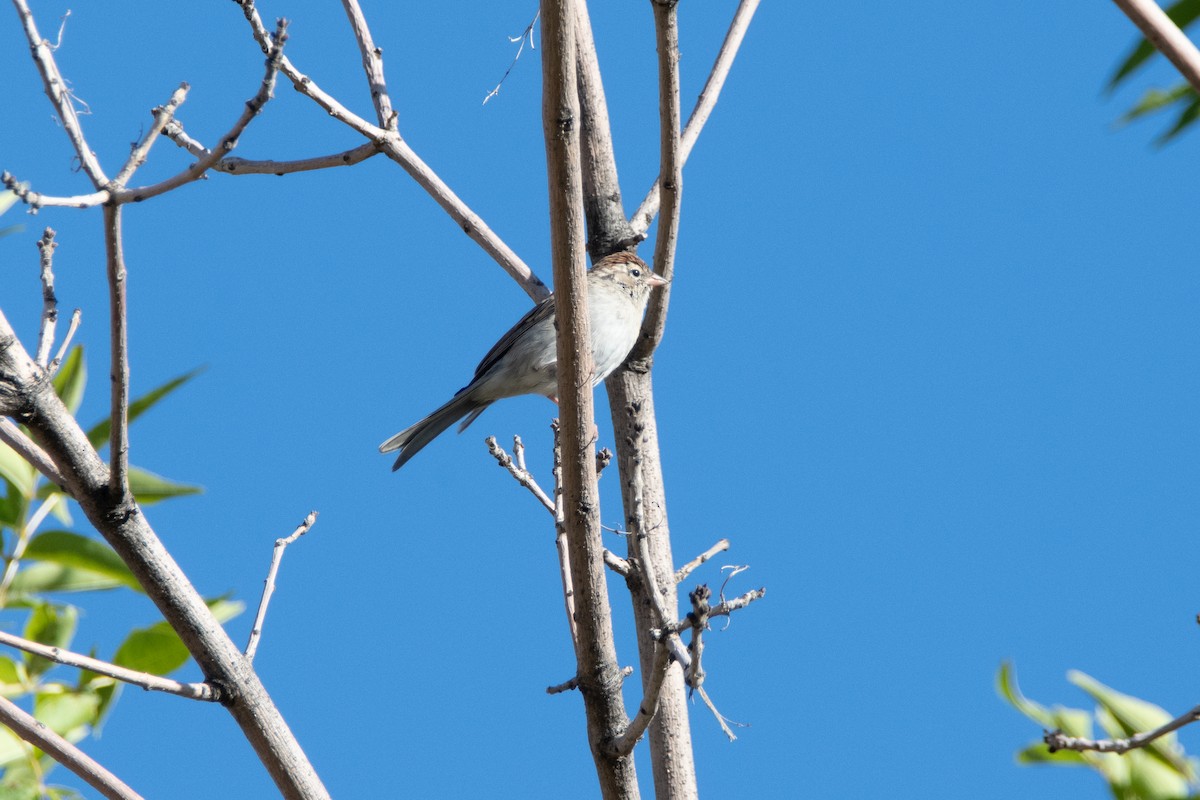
point(598, 674)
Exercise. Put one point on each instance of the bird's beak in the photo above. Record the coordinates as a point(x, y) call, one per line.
point(656, 280)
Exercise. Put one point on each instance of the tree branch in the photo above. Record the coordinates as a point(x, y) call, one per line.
point(65, 753)
point(394, 147)
point(192, 691)
point(15, 438)
point(269, 583)
point(118, 443)
point(46, 246)
point(704, 105)
point(372, 58)
point(1057, 740)
point(670, 183)
point(1165, 35)
point(688, 568)
point(595, 649)
point(60, 95)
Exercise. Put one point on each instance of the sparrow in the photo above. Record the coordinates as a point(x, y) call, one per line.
point(524, 360)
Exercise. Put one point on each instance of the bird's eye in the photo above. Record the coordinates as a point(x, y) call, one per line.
point(637, 273)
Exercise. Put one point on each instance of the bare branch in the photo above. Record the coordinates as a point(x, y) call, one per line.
point(518, 471)
point(1057, 740)
point(636, 729)
point(23, 537)
point(229, 141)
point(394, 147)
point(688, 568)
point(704, 105)
point(1165, 35)
point(608, 230)
point(719, 610)
point(670, 171)
point(595, 650)
point(372, 58)
point(526, 36)
point(65, 753)
point(192, 691)
point(60, 95)
point(15, 438)
point(36, 200)
point(233, 165)
point(269, 584)
point(118, 442)
point(46, 246)
point(617, 564)
point(561, 543)
point(52, 367)
point(162, 115)
point(721, 718)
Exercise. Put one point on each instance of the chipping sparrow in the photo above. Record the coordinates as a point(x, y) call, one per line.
point(523, 361)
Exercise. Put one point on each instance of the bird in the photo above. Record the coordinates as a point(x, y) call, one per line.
point(524, 360)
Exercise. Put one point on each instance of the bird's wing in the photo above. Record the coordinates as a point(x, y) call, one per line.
point(542, 311)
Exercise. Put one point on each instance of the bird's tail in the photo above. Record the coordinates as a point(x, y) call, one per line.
point(410, 440)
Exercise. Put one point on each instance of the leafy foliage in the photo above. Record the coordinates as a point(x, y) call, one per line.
point(1159, 771)
point(40, 567)
point(1181, 98)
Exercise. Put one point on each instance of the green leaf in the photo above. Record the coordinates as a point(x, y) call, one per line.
point(17, 471)
point(67, 713)
point(149, 488)
point(1183, 13)
point(7, 198)
point(1157, 99)
point(1122, 716)
point(1185, 119)
point(45, 577)
point(157, 649)
point(82, 553)
point(1071, 721)
point(71, 379)
point(49, 624)
point(12, 750)
point(98, 435)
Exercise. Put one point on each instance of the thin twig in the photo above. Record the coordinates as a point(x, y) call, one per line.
point(235, 165)
point(25, 447)
point(394, 147)
point(704, 105)
point(192, 691)
point(36, 200)
point(60, 95)
point(372, 58)
point(162, 115)
point(65, 753)
point(719, 610)
point(721, 718)
point(269, 584)
point(229, 141)
point(73, 326)
point(118, 443)
point(688, 568)
point(670, 172)
point(1057, 740)
point(23, 536)
point(518, 471)
point(526, 36)
point(698, 617)
point(636, 729)
point(1165, 35)
point(46, 247)
point(561, 544)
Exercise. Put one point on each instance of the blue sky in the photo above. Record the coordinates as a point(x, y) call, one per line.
point(931, 364)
